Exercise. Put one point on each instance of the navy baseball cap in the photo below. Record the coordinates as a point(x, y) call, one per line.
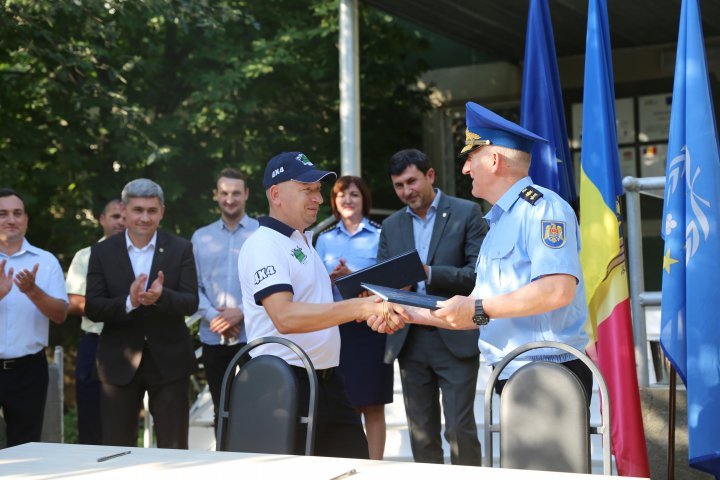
point(485, 127)
point(293, 166)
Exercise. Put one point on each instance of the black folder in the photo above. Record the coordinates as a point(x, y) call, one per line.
point(403, 297)
point(398, 271)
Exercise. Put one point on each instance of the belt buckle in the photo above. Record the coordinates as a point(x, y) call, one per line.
point(7, 364)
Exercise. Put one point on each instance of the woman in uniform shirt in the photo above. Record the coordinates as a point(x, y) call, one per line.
point(349, 245)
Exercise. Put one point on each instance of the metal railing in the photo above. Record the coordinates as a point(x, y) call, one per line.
point(639, 298)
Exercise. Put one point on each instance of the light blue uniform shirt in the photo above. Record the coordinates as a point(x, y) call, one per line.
point(216, 251)
point(422, 234)
point(23, 327)
point(359, 249)
point(526, 242)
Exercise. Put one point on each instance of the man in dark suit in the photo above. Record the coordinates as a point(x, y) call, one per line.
point(447, 233)
point(142, 284)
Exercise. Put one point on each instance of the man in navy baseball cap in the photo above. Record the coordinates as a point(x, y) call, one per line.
point(295, 166)
point(287, 292)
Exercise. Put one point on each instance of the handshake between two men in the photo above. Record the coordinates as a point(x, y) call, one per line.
point(456, 313)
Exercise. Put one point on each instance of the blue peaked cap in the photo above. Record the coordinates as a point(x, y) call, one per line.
point(485, 127)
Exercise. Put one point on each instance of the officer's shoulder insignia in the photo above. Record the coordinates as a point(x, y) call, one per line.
point(328, 229)
point(375, 224)
point(530, 194)
point(553, 233)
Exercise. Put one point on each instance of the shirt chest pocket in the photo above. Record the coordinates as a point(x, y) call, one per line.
point(502, 267)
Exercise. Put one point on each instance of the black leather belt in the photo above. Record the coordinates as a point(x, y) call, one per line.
point(12, 363)
point(429, 328)
point(322, 374)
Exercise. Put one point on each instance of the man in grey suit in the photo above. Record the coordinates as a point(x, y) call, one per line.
point(447, 233)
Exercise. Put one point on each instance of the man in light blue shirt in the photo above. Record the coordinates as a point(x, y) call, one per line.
point(216, 248)
point(529, 284)
point(32, 294)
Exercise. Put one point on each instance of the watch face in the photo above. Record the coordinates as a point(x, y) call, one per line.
point(480, 318)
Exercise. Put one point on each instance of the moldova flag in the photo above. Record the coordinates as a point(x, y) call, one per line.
point(602, 255)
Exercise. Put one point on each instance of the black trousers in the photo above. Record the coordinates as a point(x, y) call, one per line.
point(428, 367)
point(339, 431)
point(23, 391)
point(215, 359)
point(87, 391)
point(120, 406)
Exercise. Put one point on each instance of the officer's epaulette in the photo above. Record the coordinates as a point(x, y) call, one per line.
point(530, 194)
point(375, 224)
point(329, 229)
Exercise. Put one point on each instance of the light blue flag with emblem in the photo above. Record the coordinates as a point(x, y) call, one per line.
point(541, 106)
point(690, 334)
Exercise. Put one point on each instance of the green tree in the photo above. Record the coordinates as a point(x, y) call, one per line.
point(94, 94)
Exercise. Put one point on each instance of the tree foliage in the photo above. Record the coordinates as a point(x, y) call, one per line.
point(96, 93)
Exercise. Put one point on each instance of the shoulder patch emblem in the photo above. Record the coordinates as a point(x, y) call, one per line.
point(299, 255)
point(531, 195)
point(553, 233)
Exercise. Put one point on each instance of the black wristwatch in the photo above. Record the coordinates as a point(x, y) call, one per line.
point(480, 318)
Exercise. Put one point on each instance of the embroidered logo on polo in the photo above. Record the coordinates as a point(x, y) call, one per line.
point(264, 273)
point(299, 255)
point(553, 233)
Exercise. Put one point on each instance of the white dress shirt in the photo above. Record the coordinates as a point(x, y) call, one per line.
point(141, 260)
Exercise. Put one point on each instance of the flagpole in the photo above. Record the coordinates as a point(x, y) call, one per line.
point(671, 425)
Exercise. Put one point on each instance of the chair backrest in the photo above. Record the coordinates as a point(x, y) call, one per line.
point(52, 429)
point(544, 421)
point(258, 411)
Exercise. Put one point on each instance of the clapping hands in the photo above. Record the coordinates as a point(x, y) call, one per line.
point(24, 280)
point(140, 296)
point(340, 270)
point(6, 279)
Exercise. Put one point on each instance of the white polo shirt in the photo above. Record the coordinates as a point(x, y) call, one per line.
point(277, 258)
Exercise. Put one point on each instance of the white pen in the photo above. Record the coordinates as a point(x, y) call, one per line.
point(345, 475)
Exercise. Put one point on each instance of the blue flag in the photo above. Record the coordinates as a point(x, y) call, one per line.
point(690, 334)
point(541, 107)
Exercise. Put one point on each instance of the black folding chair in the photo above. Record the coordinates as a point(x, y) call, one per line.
point(258, 411)
point(544, 420)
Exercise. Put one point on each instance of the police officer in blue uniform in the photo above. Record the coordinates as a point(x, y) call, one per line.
point(529, 284)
